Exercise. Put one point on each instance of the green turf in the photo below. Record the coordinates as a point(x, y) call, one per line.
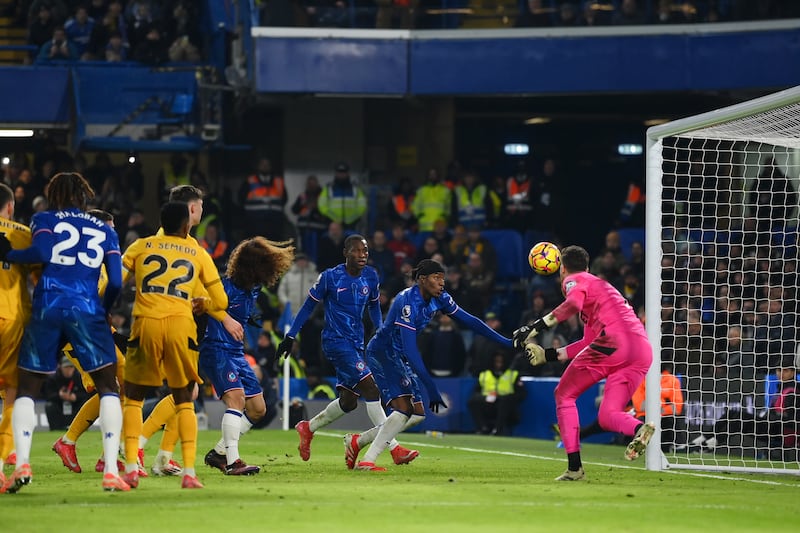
point(460, 483)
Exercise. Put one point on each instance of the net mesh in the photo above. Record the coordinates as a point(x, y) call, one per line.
point(729, 314)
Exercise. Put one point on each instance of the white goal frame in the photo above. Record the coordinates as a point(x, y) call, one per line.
point(655, 459)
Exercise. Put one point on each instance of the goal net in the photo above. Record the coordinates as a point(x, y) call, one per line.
point(722, 285)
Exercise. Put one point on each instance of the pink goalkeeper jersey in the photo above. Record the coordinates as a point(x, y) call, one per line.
point(601, 306)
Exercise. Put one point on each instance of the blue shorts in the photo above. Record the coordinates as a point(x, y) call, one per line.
point(393, 376)
point(228, 370)
point(349, 362)
point(48, 330)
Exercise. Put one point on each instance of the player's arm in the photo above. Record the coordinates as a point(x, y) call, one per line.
point(113, 264)
point(408, 337)
point(480, 327)
point(285, 346)
point(38, 252)
point(374, 309)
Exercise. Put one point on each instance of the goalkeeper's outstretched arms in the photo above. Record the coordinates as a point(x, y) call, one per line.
point(527, 333)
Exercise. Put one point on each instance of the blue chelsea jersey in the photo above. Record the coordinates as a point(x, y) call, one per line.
point(241, 304)
point(409, 310)
point(345, 298)
point(74, 245)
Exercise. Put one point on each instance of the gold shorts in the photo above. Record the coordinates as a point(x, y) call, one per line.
point(162, 348)
point(10, 340)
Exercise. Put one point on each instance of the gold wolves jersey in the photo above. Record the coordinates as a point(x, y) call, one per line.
point(14, 297)
point(170, 271)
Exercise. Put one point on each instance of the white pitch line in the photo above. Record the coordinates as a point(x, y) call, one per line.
point(546, 458)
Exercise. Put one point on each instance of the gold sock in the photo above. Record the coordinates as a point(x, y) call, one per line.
point(187, 428)
point(86, 416)
point(6, 434)
point(162, 412)
point(171, 435)
point(132, 428)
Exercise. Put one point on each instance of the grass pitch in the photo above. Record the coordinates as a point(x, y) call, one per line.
point(460, 483)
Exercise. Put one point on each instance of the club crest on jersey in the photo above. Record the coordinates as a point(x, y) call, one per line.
point(405, 382)
point(360, 366)
point(569, 285)
point(231, 376)
point(364, 290)
point(405, 313)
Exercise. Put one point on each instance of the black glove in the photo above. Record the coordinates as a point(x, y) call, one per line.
point(435, 404)
point(5, 246)
point(285, 347)
point(520, 335)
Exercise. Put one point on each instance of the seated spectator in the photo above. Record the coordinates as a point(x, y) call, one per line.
point(381, 257)
point(41, 28)
point(152, 50)
point(403, 249)
point(442, 348)
point(181, 32)
point(65, 395)
point(116, 49)
point(775, 425)
point(630, 13)
point(535, 15)
point(294, 285)
point(58, 48)
point(482, 350)
point(310, 222)
point(318, 387)
point(79, 30)
point(216, 246)
point(329, 249)
point(495, 403)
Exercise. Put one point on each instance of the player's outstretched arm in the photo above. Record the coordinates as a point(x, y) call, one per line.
point(527, 333)
point(480, 327)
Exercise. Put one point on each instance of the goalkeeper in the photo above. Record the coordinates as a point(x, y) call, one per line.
point(614, 347)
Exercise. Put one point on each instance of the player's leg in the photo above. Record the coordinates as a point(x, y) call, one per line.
point(162, 415)
point(394, 424)
point(38, 356)
point(576, 380)
point(10, 340)
point(181, 372)
point(351, 370)
point(245, 406)
point(141, 375)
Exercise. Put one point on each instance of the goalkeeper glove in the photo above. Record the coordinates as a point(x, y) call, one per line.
point(526, 334)
point(538, 355)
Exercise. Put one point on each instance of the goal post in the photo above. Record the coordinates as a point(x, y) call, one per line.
point(722, 280)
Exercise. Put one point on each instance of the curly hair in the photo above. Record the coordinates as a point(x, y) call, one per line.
point(68, 189)
point(259, 261)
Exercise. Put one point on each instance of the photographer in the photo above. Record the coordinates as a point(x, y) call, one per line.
point(65, 395)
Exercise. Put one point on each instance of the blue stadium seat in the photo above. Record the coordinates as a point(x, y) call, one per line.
point(511, 257)
point(628, 236)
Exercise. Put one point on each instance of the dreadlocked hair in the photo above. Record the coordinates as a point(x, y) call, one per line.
point(68, 189)
point(259, 261)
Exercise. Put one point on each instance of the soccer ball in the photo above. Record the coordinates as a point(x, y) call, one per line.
point(544, 258)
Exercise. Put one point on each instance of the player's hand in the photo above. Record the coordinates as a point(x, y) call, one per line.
point(233, 327)
point(520, 335)
point(200, 305)
point(436, 404)
point(535, 354)
point(5, 246)
point(285, 347)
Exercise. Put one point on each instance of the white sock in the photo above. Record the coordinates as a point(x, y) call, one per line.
point(231, 426)
point(389, 430)
point(332, 412)
point(369, 435)
point(111, 428)
point(142, 442)
point(23, 422)
point(246, 424)
point(65, 440)
point(378, 416)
